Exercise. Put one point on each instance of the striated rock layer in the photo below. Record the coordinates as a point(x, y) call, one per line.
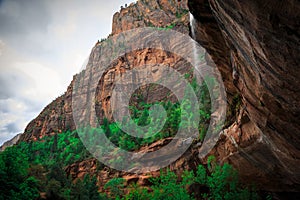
point(256, 47)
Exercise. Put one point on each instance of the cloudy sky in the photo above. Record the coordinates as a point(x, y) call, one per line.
point(43, 43)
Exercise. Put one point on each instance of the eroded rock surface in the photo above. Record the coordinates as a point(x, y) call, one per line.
point(256, 46)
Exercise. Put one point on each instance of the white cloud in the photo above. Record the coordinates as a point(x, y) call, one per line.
point(13, 118)
point(45, 80)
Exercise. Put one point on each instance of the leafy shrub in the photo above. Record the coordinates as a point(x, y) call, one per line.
point(116, 186)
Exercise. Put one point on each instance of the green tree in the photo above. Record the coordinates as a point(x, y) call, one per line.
point(90, 183)
point(57, 173)
point(116, 186)
point(13, 171)
point(29, 189)
point(54, 145)
point(79, 191)
point(144, 119)
point(53, 189)
point(137, 193)
point(167, 187)
point(38, 172)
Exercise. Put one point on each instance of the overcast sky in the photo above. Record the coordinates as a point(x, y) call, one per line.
point(43, 43)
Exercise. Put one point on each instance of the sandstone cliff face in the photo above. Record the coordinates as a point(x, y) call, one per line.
point(57, 116)
point(256, 47)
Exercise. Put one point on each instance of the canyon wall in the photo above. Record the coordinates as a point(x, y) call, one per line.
point(256, 47)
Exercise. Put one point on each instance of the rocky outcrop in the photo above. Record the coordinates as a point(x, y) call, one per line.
point(93, 167)
point(10, 142)
point(149, 13)
point(256, 47)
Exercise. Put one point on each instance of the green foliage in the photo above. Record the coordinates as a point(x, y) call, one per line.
point(201, 175)
point(115, 186)
point(39, 173)
point(137, 193)
point(91, 187)
point(57, 173)
point(19, 180)
point(140, 112)
point(140, 117)
point(79, 191)
point(168, 27)
point(48, 158)
point(14, 181)
point(222, 184)
point(29, 189)
point(167, 187)
point(65, 148)
point(53, 189)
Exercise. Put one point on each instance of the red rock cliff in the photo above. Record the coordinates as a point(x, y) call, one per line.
point(256, 46)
